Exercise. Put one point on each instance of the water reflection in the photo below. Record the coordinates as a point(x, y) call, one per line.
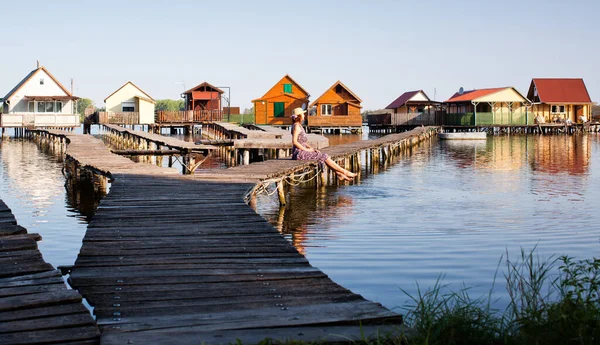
point(305, 207)
point(33, 186)
point(452, 208)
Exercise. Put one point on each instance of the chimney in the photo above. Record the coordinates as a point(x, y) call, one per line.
point(38, 63)
point(71, 86)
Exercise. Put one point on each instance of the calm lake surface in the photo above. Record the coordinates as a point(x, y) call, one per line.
point(450, 208)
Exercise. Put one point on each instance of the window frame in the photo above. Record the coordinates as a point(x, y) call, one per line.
point(324, 107)
point(556, 109)
point(42, 105)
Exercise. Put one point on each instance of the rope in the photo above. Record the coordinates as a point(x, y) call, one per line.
point(263, 186)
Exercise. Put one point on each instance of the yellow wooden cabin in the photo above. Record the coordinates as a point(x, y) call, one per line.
point(277, 105)
point(337, 107)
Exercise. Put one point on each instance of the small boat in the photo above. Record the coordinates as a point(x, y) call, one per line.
point(463, 136)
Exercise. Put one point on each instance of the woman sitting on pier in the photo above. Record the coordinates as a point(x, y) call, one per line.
point(302, 151)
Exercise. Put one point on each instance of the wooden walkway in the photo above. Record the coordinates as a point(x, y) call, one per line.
point(175, 259)
point(91, 153)
point(182, 261)
point(36, 307)
point(270, 169)
point(162, 141)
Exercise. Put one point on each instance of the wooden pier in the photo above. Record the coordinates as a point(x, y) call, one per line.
point(36, 307)
point(183, 259)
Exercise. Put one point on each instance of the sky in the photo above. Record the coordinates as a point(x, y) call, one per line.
point(379, 49)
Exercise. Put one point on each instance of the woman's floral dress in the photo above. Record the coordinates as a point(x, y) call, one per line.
point(305, 155)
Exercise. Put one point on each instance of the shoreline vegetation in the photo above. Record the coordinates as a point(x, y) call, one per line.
point(552, 301)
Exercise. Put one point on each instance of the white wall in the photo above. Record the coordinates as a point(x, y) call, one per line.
point(128, 93)
point(33, 88)
point(419, 97)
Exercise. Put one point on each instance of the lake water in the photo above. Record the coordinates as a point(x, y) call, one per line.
point(450, 208)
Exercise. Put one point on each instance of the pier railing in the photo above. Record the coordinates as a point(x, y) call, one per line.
point(39, 120)
point(123, 118)
point(188, 116)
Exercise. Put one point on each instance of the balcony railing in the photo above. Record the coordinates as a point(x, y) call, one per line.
point(39, 120)
point(189, 116)
point(123, 118)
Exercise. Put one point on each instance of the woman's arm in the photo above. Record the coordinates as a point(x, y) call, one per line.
point(295, 139)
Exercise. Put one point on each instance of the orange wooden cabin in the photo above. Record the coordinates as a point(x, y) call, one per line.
point(337, 107)
point(277, 105)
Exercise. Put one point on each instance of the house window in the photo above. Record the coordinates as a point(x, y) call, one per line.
point(287, 88)
point(279, 109)
point(31, 107)
point(326, 109)
point(41, 81)
point(558, 109)
point(41, 107)
point(49, 107)
point(58, 108)
point(128, 107)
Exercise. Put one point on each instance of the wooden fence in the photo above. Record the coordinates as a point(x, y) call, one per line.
point(189, 116)
point(124, 118)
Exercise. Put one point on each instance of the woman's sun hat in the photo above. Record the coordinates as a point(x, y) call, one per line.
point(297, 112)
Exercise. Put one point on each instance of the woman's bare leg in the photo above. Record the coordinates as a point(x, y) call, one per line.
point(333, 165)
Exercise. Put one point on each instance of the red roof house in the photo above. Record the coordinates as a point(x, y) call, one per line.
point(559, 99)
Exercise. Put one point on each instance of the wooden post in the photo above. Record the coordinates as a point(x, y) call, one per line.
point(246, 154)
point(281, 193)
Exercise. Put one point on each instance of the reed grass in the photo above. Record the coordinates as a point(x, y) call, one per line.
point(552, 301)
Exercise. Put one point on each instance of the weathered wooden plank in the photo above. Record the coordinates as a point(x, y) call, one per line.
point(218, 306)
point(31, 289)
point(83, 282)
point(43, 275)
point(8, 244)
point(351, 312)
point(157, 262)
point(12, 230)
point(317, 334)
point(48, 323)
point(53, 336)
point(25, 268)
point(39, 300)
point(42, 312)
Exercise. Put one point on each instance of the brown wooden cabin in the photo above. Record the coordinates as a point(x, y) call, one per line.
point(559, 99)
point(204, 98)
point(202, 104)
point(337, 107)
point(277, 105)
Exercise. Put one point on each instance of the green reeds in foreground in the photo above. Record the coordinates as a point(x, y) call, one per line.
point(552, 301)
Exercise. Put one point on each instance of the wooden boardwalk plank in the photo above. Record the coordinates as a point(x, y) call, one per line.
point(36, 307)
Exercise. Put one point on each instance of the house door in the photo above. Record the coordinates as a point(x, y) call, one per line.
point(279, 109)
point(578, 111)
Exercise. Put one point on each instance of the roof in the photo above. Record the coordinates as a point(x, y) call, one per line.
point(471, 95)
point(404, 98)
point(31, 75)
point(334, 85)
point(145, 99)
point(293, 81)
point(132, 84)
point(204, 84)
point(559, 90)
